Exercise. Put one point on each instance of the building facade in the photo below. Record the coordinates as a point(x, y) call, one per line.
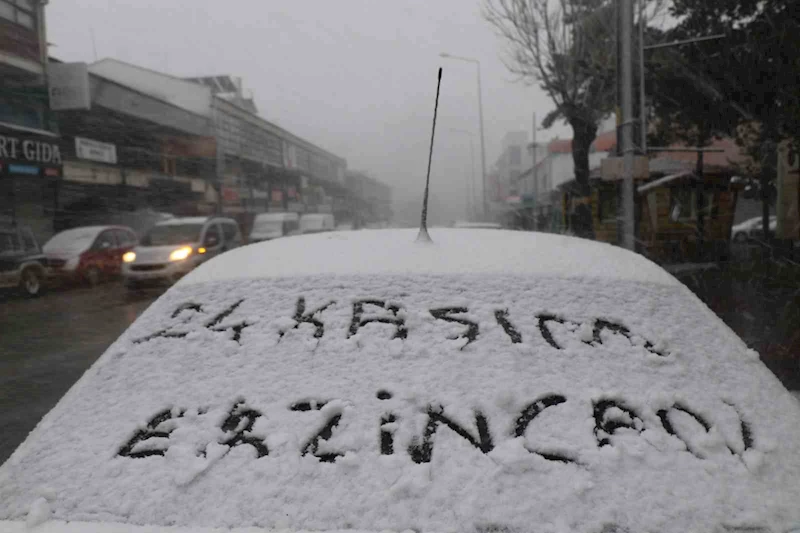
point(86, 144)
point(513, 161)
point(259, 166)
point(371, 200)
point(30, 149)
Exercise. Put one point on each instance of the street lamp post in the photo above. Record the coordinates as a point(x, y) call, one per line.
point(480, 115)
point(471, 168)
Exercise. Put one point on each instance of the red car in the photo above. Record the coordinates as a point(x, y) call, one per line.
point(90, 254)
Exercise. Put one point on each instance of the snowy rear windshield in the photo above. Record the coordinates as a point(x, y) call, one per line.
point(446, 403)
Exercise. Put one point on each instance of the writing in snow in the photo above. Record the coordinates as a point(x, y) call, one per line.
point(191, 315)
point(611, 417)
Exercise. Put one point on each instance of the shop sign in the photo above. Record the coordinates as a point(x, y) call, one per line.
point(95, 150)
point(68, 85)
point(230, 195)
point(23, 150)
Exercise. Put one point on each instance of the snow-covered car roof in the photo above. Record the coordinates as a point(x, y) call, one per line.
point(183, 220)
point(85, 234)
point(454, 251)
point(490, 381)
point(276, 216)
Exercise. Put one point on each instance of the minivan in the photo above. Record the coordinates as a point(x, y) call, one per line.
point(268, 226)
point(316, 223)
point(175, 247)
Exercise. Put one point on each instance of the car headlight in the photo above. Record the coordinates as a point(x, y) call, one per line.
point(129, 257)
point(180, 254)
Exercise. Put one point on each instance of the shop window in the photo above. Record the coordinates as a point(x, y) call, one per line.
point(21, 12)
point(682, 204)
point(711, 208)
point(609, 204)
point(168, 166)
point(24, 19)
point(21, 111)
point(7, 11)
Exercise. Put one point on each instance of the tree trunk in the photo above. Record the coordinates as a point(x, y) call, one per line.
point(768, 170)
point(584, 133)
point(765, 190)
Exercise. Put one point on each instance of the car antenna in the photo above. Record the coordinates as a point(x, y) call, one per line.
point(423, 236)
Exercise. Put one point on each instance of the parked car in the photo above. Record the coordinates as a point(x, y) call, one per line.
point(316, 223)
point(268, 226)
point(345, 226)
point(23, 266)
point(477, 225)
point(495, 381)
point(757, 230)
point(174, 247)
point(90, 254)
point(751, 229)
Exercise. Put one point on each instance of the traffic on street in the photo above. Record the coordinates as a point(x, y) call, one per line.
point(49, 342)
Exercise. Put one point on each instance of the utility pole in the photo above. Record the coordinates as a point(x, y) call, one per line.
point(472, 202)
point(480, 116)
point(626, 97)
point(642, 105)
point(471, 179)
point(535, 178)
point(483, 147)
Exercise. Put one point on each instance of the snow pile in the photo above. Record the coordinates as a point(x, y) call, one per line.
point(435, 403)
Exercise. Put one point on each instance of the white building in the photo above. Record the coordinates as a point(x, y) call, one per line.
point(512, 163)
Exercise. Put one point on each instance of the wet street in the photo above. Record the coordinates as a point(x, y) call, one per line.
point(48, 343)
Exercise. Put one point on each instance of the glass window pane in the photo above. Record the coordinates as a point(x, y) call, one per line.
point(24, 19)
point(6, 10)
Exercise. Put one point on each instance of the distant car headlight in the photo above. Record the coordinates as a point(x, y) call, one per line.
point(129, 257)
point(180, 254)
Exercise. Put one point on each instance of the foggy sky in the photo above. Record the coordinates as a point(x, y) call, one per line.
point(356, 77)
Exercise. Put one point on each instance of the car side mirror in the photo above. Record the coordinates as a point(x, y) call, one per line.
point(105, 245)
point(211, 240)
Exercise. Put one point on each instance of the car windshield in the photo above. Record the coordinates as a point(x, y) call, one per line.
point(73, 240)
point(172, 234)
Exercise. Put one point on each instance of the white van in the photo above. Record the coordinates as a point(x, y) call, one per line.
point(268, 226)
point(317, 222)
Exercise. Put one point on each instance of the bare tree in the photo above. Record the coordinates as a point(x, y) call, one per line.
point(568, 48)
